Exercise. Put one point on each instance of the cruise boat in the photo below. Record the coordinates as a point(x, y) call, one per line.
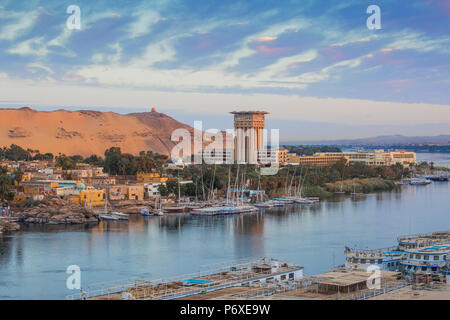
point(433, 259)
point(423, 240)
point(388, 259)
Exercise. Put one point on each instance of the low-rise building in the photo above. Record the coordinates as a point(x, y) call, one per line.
point(103, 182)
point(118, 192)
point(135, 192)
point(152, 177)
point(316, 160)
point(377, 157)
point(90, 197)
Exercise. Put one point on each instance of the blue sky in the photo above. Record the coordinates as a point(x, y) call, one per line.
point(313, 64)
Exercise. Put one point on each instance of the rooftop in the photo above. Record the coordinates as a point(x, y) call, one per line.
point(249, 112)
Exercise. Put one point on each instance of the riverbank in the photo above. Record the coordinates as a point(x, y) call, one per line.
point(359, 185)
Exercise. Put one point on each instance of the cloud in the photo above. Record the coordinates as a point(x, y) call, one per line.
point(267, 39)
point(20, 25)
point(143, 23)
point(31, 47)
point(343, 111)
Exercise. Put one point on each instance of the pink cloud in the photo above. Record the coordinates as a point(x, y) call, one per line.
point(272, 51)
point(267, 39)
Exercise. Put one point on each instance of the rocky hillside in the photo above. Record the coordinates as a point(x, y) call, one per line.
point(87, 132)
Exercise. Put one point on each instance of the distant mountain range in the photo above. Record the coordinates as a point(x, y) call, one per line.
point(392, 140)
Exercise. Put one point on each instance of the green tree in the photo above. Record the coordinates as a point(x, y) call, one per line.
point(5, 183)
point(65, 162)
point(113, 156)
point(162, 189)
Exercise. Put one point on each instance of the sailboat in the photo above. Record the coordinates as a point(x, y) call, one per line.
point(107, 215)
point(158, 207)
point(260, 203)
point(341, 191)
point(356, 194)
point(233, 206)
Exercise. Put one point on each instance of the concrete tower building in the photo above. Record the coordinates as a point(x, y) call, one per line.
point(249, 135)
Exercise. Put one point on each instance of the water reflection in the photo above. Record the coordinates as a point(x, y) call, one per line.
point(314, 236)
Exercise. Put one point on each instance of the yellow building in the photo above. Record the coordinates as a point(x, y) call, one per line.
point(90, 197)
point(149, 178)
point(26, 177)
point(135, 193)
point(316, 160)
point(126, 192)
point(118, 192)
point(33, 189)
point(20, 198)
point(282, 156)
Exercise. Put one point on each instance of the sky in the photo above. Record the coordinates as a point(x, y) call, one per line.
point(314, 65)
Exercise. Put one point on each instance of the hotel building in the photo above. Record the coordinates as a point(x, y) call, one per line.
point(316, 160)
point(378, 157)
point(249, 135)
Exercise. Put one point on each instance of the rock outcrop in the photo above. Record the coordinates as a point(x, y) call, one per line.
point(54, 210)
point(8, 226)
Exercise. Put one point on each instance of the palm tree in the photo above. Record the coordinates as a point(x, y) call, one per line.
point(5, 183)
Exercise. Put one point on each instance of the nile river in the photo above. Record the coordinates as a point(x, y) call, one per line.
point(33, 262)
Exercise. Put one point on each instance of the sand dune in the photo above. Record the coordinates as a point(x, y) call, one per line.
point(87, 132)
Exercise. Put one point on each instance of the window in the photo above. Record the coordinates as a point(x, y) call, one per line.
point(418, 256)
point(411, 256)
point(291, 276)
point(436, 258)
point(380, 261)
point(426, 257)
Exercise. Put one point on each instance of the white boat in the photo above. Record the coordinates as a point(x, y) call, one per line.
point(146, 212)
point(305, 201)
point(120, 215)
point(108, 217)
point(224, 210)
point(266, 204)
point(419, 181)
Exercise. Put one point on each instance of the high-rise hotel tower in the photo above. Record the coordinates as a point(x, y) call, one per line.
point(249, 135)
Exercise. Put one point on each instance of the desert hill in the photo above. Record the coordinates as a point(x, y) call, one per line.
point(87, 132)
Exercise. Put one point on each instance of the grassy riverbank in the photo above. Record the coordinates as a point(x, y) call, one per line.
point(360, 185)
point(366, 185)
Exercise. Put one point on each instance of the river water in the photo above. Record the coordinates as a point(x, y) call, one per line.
point(33, 262)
